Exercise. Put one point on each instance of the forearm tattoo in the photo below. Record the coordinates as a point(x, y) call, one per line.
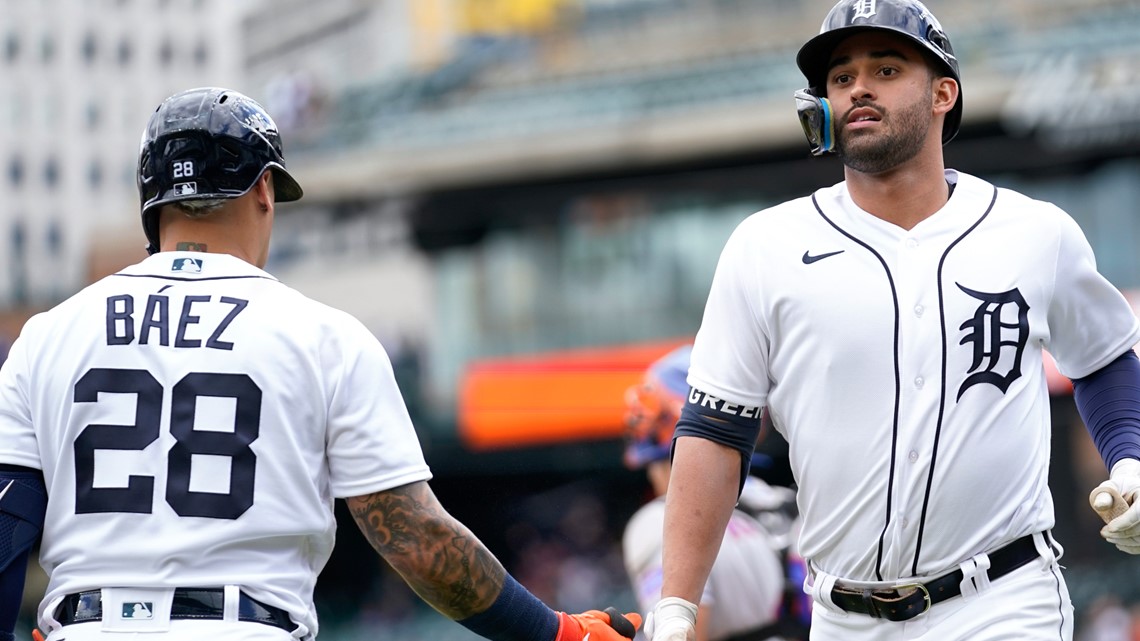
point(437, 555)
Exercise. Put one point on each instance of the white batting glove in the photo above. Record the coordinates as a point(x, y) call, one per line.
point(1124, 530)
point(674, 619)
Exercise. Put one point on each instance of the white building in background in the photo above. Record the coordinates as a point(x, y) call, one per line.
point(80, 78)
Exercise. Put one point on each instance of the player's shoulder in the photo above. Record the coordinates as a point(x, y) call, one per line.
point(795, 208)
point(323, 313)
point(1005, 200)
point(60, 316)
point(777, 222)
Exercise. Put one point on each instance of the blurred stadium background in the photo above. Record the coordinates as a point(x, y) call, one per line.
point(525, 201)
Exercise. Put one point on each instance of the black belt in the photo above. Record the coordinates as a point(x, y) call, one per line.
point(189, 603)
point(905, 602)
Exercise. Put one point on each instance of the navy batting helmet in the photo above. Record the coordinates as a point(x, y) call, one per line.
point(908, 18)
point(204, 144)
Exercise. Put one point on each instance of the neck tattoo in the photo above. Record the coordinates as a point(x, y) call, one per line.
point(190, 247)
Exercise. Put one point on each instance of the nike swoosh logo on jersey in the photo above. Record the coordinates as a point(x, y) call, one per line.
point(6, 488)
point(809, 259)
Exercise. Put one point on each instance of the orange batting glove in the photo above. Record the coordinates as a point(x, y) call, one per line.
point(595, 625)
point(37, 635)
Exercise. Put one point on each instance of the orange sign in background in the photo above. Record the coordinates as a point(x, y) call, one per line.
point(556, 397)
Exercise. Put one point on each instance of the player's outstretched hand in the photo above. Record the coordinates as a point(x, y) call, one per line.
point(674, 619)
point(1121, 511)
point(597, 625)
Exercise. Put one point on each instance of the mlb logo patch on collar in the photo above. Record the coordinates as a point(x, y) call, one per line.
point(193, 265)
point(134, 610)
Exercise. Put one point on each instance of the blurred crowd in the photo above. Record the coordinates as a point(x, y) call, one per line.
point(1109, 619)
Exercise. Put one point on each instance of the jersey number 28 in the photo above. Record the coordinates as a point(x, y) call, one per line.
point(138, 496)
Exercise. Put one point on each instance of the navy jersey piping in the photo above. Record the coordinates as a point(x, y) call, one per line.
point(942, 395)
point(898, 384)
point(188, 280)
point(1060, 602)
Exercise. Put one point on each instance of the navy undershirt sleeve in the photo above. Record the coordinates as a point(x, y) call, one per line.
point(731, 425)
point(516, 615)
point(22, 505)
point(1109, 403)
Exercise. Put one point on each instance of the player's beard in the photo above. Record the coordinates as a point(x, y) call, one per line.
point(873, 152)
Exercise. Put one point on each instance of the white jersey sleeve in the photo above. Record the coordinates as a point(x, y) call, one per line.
point(730, 352)
point(372, 444)
point(1090, 322)
point(16, 430)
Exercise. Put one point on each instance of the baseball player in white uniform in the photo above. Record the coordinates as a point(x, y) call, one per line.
point(893, 324)
point(743, 598)
point(194, 419)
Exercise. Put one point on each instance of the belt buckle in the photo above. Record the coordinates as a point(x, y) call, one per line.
point(925, 594)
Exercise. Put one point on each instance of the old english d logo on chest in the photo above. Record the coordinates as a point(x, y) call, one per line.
point(992, 338)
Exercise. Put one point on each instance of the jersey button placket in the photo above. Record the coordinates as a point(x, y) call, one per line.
point(913, 273)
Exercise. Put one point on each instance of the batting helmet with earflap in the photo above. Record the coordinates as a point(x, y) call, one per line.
point(653, 407)
point(908, 18)
point(205, 144)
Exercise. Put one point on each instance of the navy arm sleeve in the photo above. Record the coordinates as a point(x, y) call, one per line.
point(23, 501)
point(1109, 403)
point(516, 615)
point(736, 426)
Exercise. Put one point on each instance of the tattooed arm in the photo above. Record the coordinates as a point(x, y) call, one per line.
point(453, 572)
point(437, 555)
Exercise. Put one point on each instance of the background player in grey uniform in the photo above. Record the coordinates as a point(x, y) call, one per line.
point(894, 326)
point(194, 420)
point(744, 595)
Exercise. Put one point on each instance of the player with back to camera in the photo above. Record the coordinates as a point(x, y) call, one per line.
point(894, 324)
point(194, 419)
point(746, 596)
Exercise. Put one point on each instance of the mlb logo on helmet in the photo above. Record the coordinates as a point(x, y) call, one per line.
point(185, 189)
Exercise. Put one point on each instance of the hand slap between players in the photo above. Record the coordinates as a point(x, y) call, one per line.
point(1123, 529)
point(596, 625)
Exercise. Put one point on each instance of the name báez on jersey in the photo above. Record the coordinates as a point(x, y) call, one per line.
point(153, 325)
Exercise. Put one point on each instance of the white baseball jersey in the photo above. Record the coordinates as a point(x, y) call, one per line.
point(194, 419)
point(745, 585)
point(905, 367)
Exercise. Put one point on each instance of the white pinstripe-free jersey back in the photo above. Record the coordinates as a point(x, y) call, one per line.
point(195, 419)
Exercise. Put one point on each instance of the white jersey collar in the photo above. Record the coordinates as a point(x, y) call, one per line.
point(194, 265)
point(971, 197)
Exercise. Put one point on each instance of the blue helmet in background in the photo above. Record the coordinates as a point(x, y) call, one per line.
point(653, 407)
point(204, 144)
point(908, 18)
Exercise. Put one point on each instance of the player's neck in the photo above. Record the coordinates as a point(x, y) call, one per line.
point(230, 231)
point(904, 196)
point(207, 244)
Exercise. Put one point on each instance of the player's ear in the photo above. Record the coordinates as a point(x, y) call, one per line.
point(263, 191)
point(945, 94)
